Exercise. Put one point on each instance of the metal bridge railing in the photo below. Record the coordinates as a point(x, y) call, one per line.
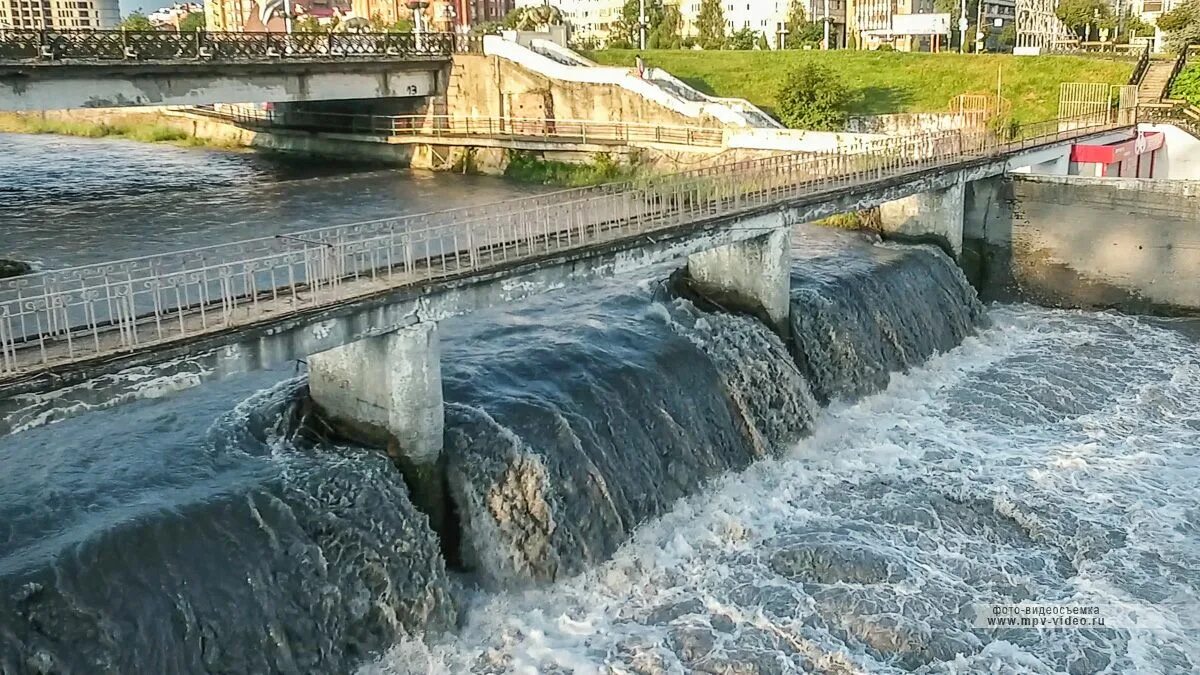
point(120, 45)
point(66, 315)
point(442, 126)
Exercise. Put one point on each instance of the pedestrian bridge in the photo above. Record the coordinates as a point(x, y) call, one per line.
point(59, 70)
point(180, 318)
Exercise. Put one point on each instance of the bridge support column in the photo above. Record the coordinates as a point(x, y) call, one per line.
point(387, 391)
point(935, 216)
point(752, 275)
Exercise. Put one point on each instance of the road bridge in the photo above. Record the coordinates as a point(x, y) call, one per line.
point(178, 319)
point(58, 70)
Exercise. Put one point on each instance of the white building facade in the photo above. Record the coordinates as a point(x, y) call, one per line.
point(594, 20)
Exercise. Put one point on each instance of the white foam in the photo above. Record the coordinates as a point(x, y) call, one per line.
point(1052, 458)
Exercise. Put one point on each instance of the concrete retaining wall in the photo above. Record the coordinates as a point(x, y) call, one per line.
point(903, 124)
point(1068, 241)
point(490, 86)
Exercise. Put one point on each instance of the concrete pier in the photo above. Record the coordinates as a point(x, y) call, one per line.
point(934, 216)
point(387, 391)
point(752, 275)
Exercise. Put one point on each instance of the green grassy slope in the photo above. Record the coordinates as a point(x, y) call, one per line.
point(888, 82)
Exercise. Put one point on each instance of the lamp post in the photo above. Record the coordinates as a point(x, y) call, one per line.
point(962, 28)
point(825, 40)
point(642, 25)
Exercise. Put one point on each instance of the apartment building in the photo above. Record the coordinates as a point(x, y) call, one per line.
point(59, 14)
point(871, 20)
point(768, 17)
point(474, 12)
point(996, 15)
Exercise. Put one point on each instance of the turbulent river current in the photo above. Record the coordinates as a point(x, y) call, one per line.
point(638, 485)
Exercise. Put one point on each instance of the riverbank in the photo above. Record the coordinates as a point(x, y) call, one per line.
point(147, 127)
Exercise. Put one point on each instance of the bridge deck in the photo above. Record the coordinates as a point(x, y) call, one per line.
point(58, 318)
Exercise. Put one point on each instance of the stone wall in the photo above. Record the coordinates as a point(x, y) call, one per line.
point(490, 86)
point(903, 124)
point(1069, 241)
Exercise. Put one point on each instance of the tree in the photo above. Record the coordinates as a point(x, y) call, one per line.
point(1182, 24)
point(796, 21)
point(1135, 26)
point(378, 25)
point(307, 24)
point(1080, 15)
point(801, 31)
point(1008, 36)
point(762, 43)
point(136, 21)
point(194, 21)
point(813, 97)
point(666, 35)
point(742, 39)
point(711, 24)
point(533, 17)
point(628, 27)
point(954, 9)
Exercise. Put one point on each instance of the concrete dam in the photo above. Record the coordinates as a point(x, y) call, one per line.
point(568, 425)
point(637, 475)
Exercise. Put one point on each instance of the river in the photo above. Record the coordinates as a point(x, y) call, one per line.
point(642, 486)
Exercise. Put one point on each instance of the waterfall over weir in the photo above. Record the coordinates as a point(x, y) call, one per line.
point(569, 422)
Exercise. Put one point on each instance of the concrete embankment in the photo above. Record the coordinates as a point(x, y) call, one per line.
point(1093, 243)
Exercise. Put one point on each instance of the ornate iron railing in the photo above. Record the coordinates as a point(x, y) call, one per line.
point(85, 45)
point(441, 126)
point(60, 316)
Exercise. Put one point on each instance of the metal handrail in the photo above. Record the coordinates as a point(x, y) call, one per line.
point(1142, 65)
point(585, 131)
point(60, 316)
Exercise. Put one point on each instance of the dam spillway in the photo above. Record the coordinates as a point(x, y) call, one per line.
point(646, 486)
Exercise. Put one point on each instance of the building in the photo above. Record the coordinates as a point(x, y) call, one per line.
point(169, 17)
point(768, 18)
point(594, 20)
point(590, 20)
point(996, 15)
point(246, 15)
point(475, 12)
point(59, 14)
point(871, 23)
point(1149, 11)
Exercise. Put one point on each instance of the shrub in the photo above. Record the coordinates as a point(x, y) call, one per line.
point(813, 97)
point(1187, 85)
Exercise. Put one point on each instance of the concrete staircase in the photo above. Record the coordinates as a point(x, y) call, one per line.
point(559, 63)
point(1152, 88)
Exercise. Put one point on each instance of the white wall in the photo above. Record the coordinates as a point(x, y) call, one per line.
point(1181, 152)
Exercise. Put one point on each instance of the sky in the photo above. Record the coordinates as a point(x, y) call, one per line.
point(145, 6)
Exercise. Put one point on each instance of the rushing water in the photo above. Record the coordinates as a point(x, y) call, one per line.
point(67, 201)
point(641, 486)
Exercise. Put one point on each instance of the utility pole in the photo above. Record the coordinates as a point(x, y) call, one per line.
point(962, 28)
point(642, 24)
point(979, 29)
point(826, 22)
